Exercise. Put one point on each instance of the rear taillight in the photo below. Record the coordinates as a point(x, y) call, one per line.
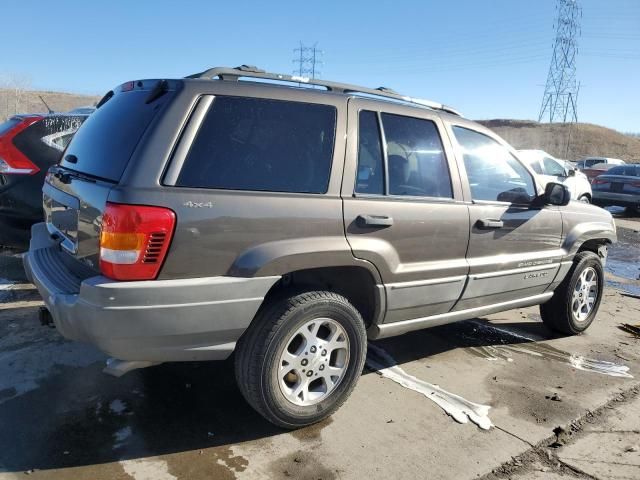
point(12, 160)
point(598, 181)
point(635, 184)
point(134, 240)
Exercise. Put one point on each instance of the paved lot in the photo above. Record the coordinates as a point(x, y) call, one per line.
point(60, 417)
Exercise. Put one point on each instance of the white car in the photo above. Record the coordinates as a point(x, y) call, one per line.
point(550, 169)
point(590, 162)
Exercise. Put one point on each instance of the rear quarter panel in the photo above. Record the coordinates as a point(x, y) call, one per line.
point(241, 233)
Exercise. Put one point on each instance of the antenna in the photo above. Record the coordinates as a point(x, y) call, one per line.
point(46, 105)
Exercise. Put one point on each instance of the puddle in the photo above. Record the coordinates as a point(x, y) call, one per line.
point(121, 436)
point(623, 262)
point(460, 409)
point(542, 350)
point(5, 289)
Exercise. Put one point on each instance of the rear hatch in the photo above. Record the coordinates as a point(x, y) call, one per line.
point(75, 192)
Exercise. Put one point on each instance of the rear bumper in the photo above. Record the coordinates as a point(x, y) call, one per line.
point(155, 321)
point(617, 199)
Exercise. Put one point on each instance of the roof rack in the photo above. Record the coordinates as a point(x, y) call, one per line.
point(250, 71)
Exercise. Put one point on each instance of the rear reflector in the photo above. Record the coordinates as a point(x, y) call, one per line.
point(134, 240)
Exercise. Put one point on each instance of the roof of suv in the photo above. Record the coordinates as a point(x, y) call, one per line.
point(249, 71)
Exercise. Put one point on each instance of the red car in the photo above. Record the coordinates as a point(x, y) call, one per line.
point(29, 145)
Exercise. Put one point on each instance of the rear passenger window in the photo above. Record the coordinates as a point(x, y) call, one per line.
point(265, 145)
point(370, 165)
point(416, 162)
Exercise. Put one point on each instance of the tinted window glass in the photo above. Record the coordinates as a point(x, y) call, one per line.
point(107, 139)
point(616, 171)
point(551, 167)
point(593, 161)
point(493, 173)
point(416, 161)
point(257, 144)
point(370, 166)
point(8, 125)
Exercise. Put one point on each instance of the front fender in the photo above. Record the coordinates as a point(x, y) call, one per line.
point(586, 231)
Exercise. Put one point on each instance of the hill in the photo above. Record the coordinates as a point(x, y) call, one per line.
point(12, 101)
point(584, 139)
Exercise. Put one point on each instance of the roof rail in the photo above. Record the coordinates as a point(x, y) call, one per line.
point(250, 71)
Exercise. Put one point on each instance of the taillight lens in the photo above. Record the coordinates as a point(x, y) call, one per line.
point(598, 181)
point(134, 240)
point(13, 167)
point(635, 184)
point(12, 160)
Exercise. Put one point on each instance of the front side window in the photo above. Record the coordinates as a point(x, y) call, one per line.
point(416, 162)
point(262, 145)
point(553, 167)
point(494, 174)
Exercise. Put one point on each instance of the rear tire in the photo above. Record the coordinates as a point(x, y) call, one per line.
point(584, 199)
point(576, 300)
point(301, 358)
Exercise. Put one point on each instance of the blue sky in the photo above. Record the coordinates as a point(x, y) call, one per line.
point(489, 59)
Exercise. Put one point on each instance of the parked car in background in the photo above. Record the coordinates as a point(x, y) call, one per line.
point(196, 218)
point(29, 145)
point(619, 186)
point(589, 162)
point(550, 169)
point(596, 170)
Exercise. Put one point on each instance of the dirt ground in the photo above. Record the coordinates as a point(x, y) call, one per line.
point(560, 407)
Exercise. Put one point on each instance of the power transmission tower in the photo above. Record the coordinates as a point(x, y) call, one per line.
point(308, 60)
point(560, 99)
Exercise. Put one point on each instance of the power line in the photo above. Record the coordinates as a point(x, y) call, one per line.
point(308, 60)
point(559, 101)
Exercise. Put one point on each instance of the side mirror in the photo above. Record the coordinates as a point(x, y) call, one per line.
point(556, 194)
point(571, 172)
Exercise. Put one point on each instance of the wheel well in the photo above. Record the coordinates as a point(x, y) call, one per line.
point(588, 195)
point(354, 283)
point(594, 245)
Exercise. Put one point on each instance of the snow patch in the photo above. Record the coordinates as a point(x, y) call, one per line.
point(147, 469)
point(459, 408)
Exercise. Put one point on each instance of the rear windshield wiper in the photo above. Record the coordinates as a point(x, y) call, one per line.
point(105, 99)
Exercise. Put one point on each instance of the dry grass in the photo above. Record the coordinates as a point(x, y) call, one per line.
point(29, 102)
point(584, 139)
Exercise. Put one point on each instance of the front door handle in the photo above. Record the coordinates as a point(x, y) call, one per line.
point(374, 221)
point(488, 223)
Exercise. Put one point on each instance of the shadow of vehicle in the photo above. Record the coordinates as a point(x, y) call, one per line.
point(79, 416)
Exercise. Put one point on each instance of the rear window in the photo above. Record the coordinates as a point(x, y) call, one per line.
point(263, 145)
point(628, 170)
point(106, 141)
point(8, 125)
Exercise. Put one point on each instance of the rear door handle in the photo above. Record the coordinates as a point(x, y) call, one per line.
point(488, 223)
point(374, 221)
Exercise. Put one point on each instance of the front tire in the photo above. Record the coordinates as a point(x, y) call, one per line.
point(576, 300)
point(301, 358)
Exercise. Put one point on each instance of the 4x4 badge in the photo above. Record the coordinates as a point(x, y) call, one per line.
point(191, 204)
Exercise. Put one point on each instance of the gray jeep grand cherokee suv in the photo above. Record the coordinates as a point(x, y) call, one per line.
point(191, 219)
